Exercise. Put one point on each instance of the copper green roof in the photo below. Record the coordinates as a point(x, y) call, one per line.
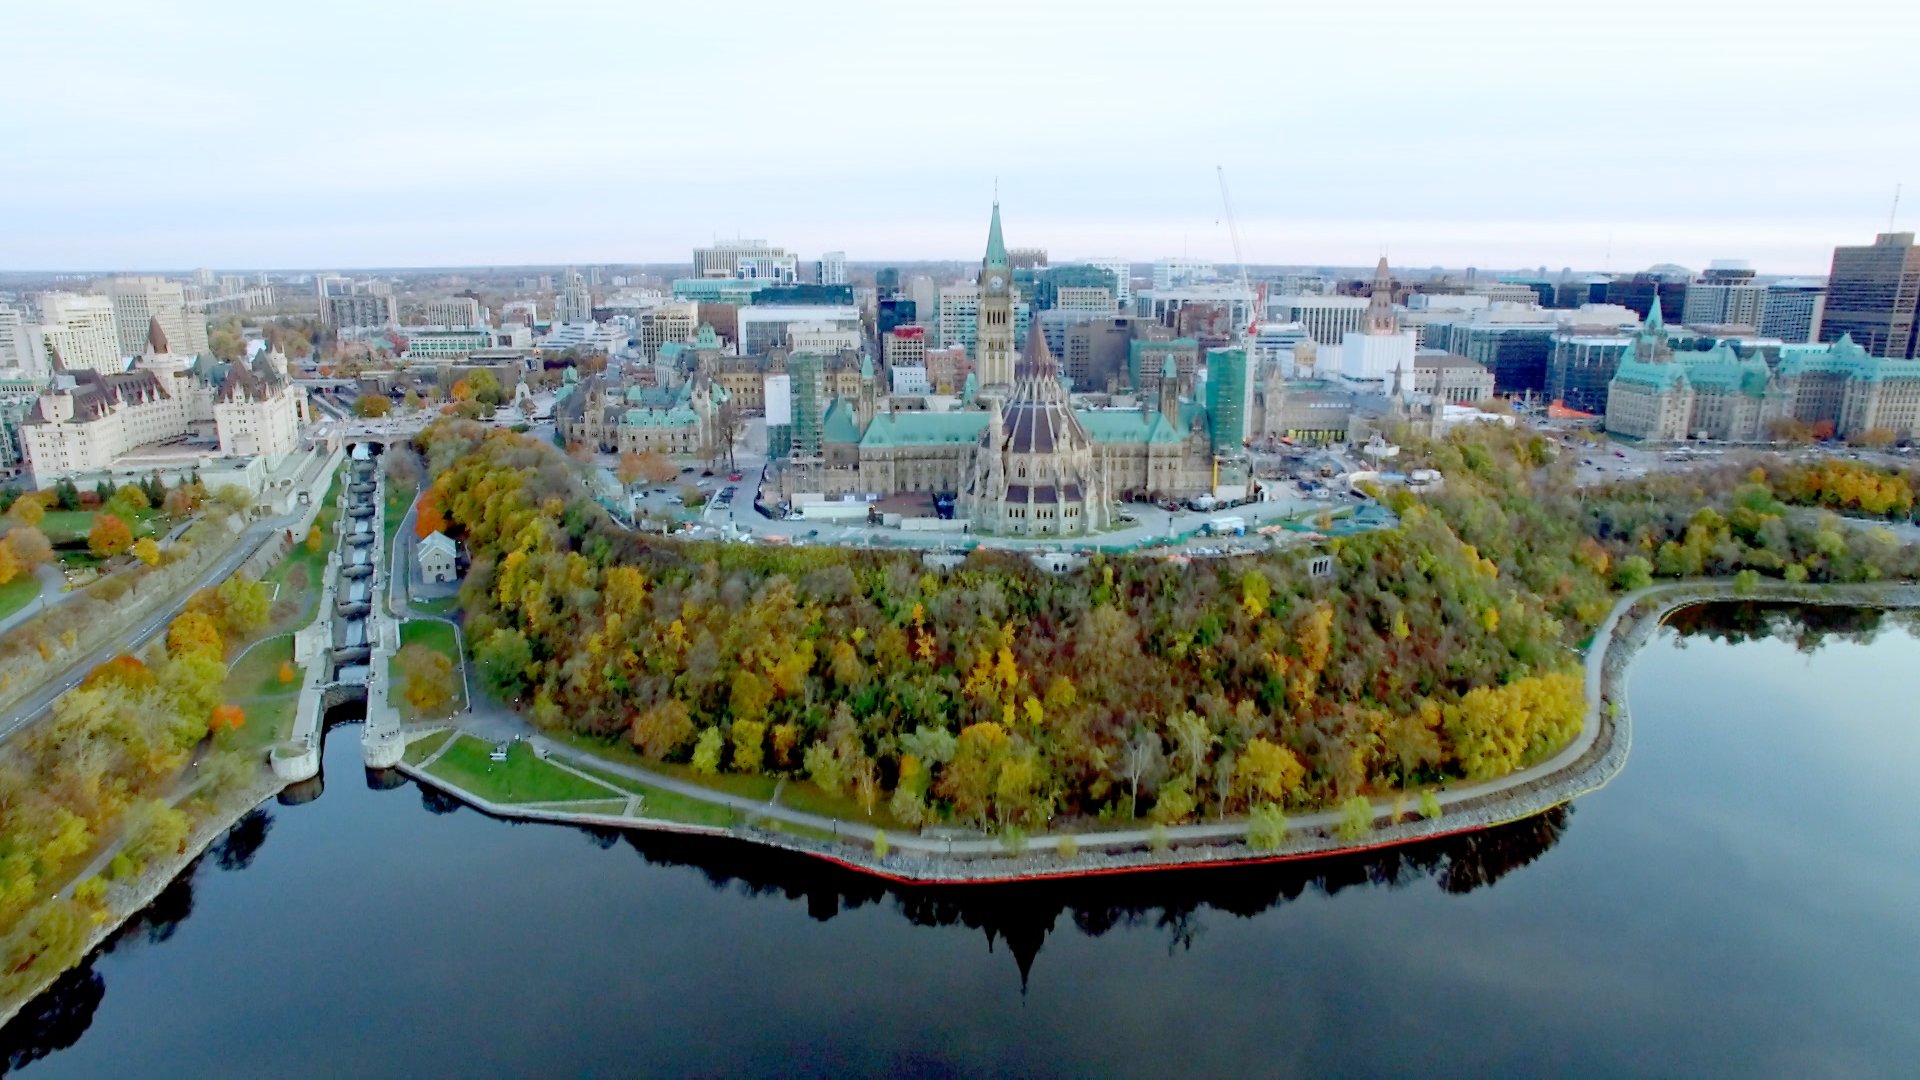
point(1845, 359)
point(996, 247)
point(659, 418)
point(1129, 426)
point(923, 429)
point(840, 425)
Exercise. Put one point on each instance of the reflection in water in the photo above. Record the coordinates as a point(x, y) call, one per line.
point(1806, 628)
point(59, 1017)
point(1024, 914)
point(1020, 915)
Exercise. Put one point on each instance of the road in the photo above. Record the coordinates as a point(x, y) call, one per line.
point(69, 677)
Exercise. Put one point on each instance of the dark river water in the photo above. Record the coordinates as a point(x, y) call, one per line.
point(1744, 898)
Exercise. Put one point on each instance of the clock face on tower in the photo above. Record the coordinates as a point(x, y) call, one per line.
point(996, 281)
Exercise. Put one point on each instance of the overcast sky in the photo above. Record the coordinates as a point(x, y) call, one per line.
point(405, 133)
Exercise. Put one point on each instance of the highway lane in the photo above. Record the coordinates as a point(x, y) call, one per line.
point(30, 708)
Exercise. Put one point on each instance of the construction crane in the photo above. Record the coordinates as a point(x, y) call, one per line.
point(1233, 232)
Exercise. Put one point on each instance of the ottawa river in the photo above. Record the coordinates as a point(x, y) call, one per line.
point(1741, 900)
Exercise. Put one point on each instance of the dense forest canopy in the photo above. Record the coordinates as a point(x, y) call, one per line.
point(1000, 696)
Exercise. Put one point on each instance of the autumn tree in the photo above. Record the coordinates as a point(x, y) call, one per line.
point(29, 545)
point(430, 688)
point(147, 551)
point(194, 631)
point(372, 406)
point(226, 718)
point(428, 518)
point(27, 510)
point(109, 536)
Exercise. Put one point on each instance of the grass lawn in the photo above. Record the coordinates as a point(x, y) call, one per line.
point(68, 526)
point(810, 797)
point(397, 499)
point(420, 750)
point(257, 674)
point(18, 593)
point(269, 721)
point(253, 683)
point(521, 778)
point(446, 605)
point(609, 807)
point(751, 787)
point(437, 636)
point(666, 805)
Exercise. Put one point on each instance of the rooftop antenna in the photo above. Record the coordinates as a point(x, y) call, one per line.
point(1895, 209)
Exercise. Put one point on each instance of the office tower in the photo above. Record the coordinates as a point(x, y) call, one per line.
point(1793, 311)
point(1873, 296)
point(138, 301)
point(82, 329)
point(831, 269)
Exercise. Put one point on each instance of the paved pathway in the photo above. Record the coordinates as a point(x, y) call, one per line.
point(52, 594)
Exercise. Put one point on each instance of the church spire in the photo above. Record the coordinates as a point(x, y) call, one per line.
point(1039, 359)
point(1654, 322)
point(996, 247)
point(1380, 317)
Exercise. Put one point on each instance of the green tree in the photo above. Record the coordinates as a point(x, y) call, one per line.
point(706, 751)
point(505, 659)
point(749, 745)
point(372, 406)
point(1356, 819)
point(1266, 827)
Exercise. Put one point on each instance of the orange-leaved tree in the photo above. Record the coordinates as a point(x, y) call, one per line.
point(109, 536)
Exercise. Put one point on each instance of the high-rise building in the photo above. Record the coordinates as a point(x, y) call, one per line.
point(1724, 303)
point(1327, 319)
point(1122, 272)
point(752, 259)
point(1793, 311)
point(1583, 363)
point(831, 269)
point(1173, 273)
point(365, 311)
point(82, 330)
point(17, 349)
point(1639, 291)
point(574, 304)
point(137, 301)
point(451, 311)
point(905, 346)
point(1873, 296)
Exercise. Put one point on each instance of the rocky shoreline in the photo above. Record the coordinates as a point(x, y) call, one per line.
point(125, 900)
